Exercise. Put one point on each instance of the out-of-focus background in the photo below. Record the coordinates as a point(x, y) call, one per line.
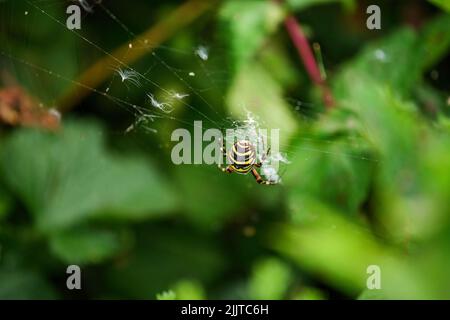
point(86, 176)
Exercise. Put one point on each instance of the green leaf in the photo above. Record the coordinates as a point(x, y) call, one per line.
point(166, 295)
point(24, 284)
point(443, 4)
point(67, 177)
point(254, 90)
point(380, 61)
point(270, 279)
point(309, 293)
point(397, 133)
point(303, 4)
point(5, 202)
point(248, 23)
point(210, 185)
point(330, 152)
point(162, 257)
point(340, 252)
point(375, 294)
point(377, 93)
point(416, 51)
point(189, 290)
point(275, 59)
point(431, 101)
point(83, 246)
point(434, 41)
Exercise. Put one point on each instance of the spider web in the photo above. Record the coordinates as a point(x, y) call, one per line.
point(132, 87)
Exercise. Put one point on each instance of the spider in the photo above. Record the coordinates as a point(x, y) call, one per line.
point(242, 157)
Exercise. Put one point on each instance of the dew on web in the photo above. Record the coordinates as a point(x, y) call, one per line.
point(54, 112)
point(143, 122)
point(281, 157)
point(163, 102)
point(434, 74)
point(306, 111)
point(270, 166)
point(247, 129)
point(202, 52)
point(380, 55)
point(163, 106)
point(178, 95)
point(270, 173)
point(129, 76)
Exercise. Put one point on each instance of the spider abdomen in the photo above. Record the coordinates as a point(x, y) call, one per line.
point(242, 156)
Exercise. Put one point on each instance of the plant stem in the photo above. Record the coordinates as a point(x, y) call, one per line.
point(301, 43)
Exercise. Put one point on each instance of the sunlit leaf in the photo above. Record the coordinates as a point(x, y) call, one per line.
point(340, 252)
point(166, 295)
point(270, 279)
point(444, 4)
point(248, 23)
point(256, 91)
point(309, 293)
point(374, 294)
point(189, 290)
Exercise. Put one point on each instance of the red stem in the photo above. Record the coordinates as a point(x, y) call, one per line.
point(304, 50)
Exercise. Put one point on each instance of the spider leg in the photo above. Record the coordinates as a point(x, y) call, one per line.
point(260, 180)
point(223, 149)
point(266, 155)
point(228, 169)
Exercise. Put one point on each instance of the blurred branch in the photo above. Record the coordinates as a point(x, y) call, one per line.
point(301, 43)
point(96, 74)
point(18, 108)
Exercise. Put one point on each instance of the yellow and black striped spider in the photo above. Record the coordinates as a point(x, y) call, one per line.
point(243, 159)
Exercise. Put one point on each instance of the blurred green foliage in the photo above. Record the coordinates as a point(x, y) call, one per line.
point(368, 181)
